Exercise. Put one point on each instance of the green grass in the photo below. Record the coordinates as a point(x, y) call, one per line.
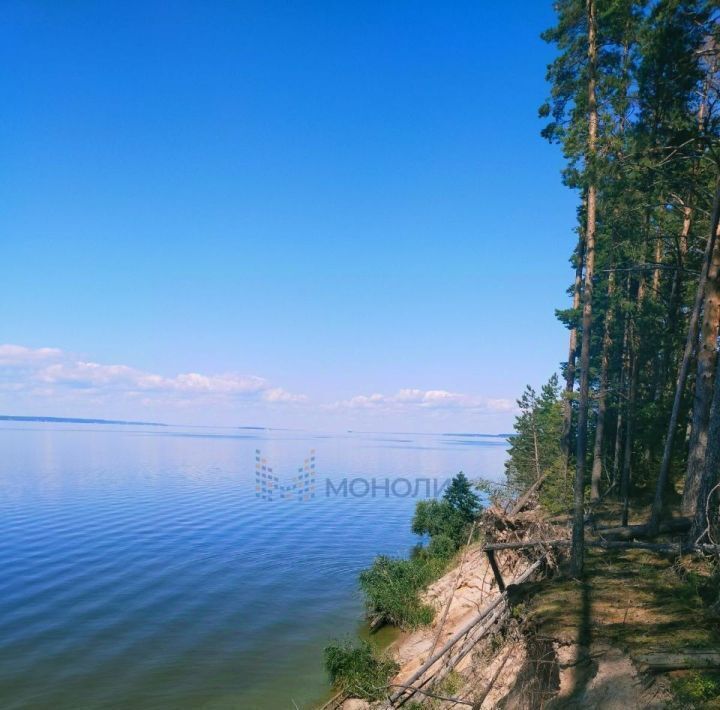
point(696, 690)
point(636, 600)
point(392, 589)
point(359, 670)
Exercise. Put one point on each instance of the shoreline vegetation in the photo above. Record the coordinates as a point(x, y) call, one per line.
point(639, 629)
point(610, 511)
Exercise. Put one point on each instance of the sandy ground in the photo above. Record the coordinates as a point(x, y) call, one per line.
point(473, 585)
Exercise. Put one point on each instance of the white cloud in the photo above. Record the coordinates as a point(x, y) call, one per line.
point(20, 356)
point(407, 399)
point(277, 394)
point(49, 371)
point(51, 380)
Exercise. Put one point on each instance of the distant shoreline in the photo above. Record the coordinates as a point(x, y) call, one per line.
point(74, 420)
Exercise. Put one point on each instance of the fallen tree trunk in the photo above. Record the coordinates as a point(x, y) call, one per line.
point(501, 599)
point(682, 660)
point(482, 697)
point(457, 701)
point(525, 497)
point(559, 542)
point(628, 532)
point(450, 643)
point(473, 639)
point(669, 547)
point(678, 547)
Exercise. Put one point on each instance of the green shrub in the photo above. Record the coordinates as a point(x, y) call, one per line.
point(438, 517)
point(442, 546)
point(392, 589)
point(697, 690)
point(358, 670)
point(461, 498)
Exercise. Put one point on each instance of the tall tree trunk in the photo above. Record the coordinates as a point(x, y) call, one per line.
point(633, 344)
point(538, 472)
point(658, 264)
point(578, 532)
point(657, 506)
point(596, 474)
point(618, 441)
point(625, 478)
point(622, 398)
point(704, 384)
point(572, 357)
point(711, 472)
point(675, 295)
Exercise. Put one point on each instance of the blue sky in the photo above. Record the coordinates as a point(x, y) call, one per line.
point(286, 214)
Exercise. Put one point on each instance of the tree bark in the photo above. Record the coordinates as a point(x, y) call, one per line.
point(675, 300)
point(572, 357)
point(622, 399)
point(578, 533)
point(525, 497)
point(657, 506)
point(682, 660)
point(596, 473)
point(625, 477)
point(711, 472)
point(704, 384)
point(656, 272)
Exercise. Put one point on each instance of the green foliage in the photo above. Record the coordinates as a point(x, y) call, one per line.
point(696, 690)
point(438, 518)
point(448, 687)
point(442, 547)
point(461, 498)
point(392, 589)
point(451, 516)
point(451, 684)
point(652, 164)
point(358, 670)
point(535, 447)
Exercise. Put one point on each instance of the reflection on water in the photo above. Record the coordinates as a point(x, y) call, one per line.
point(141, 570)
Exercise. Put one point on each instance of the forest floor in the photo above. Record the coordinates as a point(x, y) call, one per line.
point(630, 603)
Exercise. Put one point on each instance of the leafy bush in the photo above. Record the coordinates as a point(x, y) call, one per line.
point(696, 690)
point(451, 516)
point(442, 546)
point(392, 589)
point(358, 670)
point(438, 517)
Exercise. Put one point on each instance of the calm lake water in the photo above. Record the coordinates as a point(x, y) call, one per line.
point(141, 570)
